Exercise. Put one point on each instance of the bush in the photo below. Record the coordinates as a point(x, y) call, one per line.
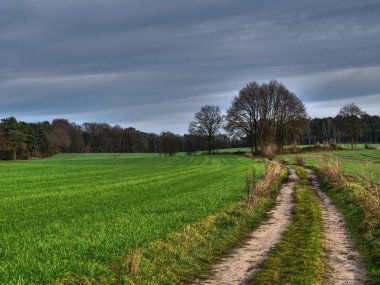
point(300, 160)
point(284, 160)
point(269, 153)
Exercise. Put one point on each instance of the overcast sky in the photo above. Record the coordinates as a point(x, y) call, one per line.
point(152, 64)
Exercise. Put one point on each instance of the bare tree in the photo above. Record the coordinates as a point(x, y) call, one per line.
point(291, 119)
point(242, 117)
point(207, 123)
point(350, 117)
point(266, 114)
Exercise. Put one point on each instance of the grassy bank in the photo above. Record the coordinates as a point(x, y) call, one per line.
point(297, 259)
point(359, 201)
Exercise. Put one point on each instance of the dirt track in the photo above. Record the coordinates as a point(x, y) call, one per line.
point(343, 262)
point(242, 263)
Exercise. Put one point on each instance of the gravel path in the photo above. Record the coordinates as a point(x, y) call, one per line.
point(242, 263)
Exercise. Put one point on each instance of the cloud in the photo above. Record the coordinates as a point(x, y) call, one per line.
point(154, 63)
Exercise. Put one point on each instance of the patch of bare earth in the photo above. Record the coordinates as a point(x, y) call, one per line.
point(343, 262)
point(239, 266)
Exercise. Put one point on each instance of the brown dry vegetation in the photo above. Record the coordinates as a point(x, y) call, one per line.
point(300, 160)
point(368, 192)
point(256, 188)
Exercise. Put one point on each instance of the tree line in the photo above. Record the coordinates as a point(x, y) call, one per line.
point(22, 140)
point(261, 116)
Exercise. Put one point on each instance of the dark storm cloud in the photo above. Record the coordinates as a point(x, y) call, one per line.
point(152, 64)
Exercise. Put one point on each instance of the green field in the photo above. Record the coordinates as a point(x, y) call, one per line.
point(357, 163)
point(76, 213)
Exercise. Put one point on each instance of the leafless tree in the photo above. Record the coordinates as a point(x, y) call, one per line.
point(207, 123)
point(242, 117)
point(266, 114)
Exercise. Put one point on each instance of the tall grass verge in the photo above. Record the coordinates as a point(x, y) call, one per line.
point(184, 256)
point(359, 201)
point(257, 188)
point(297, 259)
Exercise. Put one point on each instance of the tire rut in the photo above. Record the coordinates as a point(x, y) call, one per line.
point(239, 266)
point(343, 262)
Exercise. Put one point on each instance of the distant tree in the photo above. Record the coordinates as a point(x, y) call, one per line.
point(169, 143)
point(350, 116)
point(266, 114)
point(13, 138)
point(193, 143)
point(73, 132)
point(207, 123)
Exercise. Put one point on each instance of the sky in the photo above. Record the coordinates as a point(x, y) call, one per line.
point(152, 64)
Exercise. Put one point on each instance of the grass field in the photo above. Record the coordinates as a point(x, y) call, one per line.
point(246, 149)
point(77, 213)
point(356, 163)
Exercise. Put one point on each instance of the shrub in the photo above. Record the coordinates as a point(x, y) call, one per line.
point(294, 149)
point(269, 153)
point(300, 160)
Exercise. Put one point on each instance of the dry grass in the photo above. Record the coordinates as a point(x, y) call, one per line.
point(300, 160)
point(269, 153)
point(284, 160)
point(359, 200)
point(256, 188)
point(134, 261)
point(367, 191)
point(329, 168)
point(370, 197)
